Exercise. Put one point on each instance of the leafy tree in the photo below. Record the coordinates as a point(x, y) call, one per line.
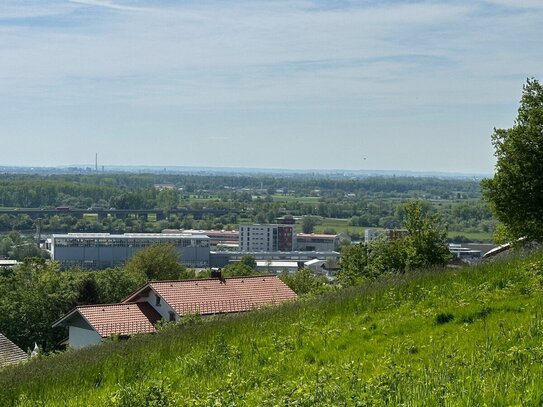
point(157, 262)
point(515, 192)
point(353, 264)
point(238, 269)
point(308, 224)
point(303, 282)
point(427, 238)
point(248, 261)
point(88, 292)
point(168, 199)
point(114, 284)
point(386, 256)
point(34, 296)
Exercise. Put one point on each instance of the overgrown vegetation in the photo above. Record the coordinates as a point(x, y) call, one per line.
point(441, 337)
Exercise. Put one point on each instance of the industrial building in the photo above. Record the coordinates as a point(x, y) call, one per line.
point(102, 250)
point(221, 259)
point(317, 242)
point(264, 242)
point(220, 240)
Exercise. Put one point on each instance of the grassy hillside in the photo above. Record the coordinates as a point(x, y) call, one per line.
point(472, 336)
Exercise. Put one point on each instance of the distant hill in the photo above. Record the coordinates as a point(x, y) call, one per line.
point(470, 336)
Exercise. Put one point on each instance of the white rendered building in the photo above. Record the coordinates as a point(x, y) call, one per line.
point(267, 238)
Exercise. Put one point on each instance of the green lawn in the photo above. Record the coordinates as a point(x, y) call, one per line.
point(462, 337)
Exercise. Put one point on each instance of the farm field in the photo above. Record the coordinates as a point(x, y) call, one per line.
point(437, 337)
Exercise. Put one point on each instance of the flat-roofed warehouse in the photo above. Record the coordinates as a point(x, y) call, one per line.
point(102, 250)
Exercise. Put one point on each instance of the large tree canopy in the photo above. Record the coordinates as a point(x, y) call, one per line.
point(157, 262)
point(515, 193)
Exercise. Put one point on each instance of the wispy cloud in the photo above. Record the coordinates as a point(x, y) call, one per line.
point(107, 4)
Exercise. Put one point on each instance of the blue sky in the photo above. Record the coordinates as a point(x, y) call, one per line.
point(406, 85)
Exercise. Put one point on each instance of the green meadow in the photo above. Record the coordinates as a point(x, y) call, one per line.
point(471, 336)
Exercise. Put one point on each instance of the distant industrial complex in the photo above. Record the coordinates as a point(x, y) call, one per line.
point(275, 247)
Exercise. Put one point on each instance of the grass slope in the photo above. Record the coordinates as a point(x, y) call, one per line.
point(472, 336)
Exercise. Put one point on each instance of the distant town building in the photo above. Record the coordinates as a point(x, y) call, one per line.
point(102, 250)
point(267, 238)
point(371, 234)
point(317, 242)
point(278, 266)
point(218, 239)
point(465, 254)
point(393, 234)
point(221, 259)
point(5, 263)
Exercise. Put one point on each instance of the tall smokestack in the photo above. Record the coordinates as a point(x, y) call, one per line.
point(96, 162)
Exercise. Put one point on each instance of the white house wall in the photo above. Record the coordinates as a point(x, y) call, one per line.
point(163, 309)
point(81, 334)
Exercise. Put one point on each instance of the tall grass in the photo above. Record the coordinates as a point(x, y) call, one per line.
point(472, 336)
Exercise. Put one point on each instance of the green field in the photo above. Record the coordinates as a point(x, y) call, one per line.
point(339, 225)
point(485, 237)
point(455, 337)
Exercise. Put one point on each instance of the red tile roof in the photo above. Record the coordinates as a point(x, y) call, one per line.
point(215, 296)
point(9, 352)
point(118, 319)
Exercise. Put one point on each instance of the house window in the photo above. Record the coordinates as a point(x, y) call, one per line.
point(158, 301)
point(172, 316)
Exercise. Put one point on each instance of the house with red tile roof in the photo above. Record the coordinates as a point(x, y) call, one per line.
point(10, 353)
point(170, 301)
point(90, 324)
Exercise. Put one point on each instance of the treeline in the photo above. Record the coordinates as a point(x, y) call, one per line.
point(367, 202)
point(133, 191)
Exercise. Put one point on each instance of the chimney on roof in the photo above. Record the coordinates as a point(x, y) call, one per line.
point(217, 274)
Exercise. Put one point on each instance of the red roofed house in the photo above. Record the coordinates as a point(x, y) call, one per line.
point(170, 300)
point(10, 353)
point(89, 324)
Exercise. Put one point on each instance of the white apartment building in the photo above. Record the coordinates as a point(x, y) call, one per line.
point(266, 238)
